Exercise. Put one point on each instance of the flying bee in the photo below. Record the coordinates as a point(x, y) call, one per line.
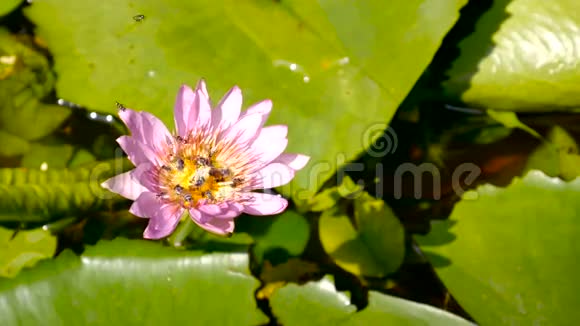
point(120, 106)
point(166, 168)
point(138, 18)
point(187, 198)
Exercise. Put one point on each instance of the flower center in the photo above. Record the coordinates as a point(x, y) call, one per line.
point(192, 179)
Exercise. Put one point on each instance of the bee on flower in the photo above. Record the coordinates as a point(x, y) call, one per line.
point(209, 167)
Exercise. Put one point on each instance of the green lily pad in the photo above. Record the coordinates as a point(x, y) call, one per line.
point(288, 232)
point(25, 79)
point(6, 6)
point(332, 68)
point(19, 249)
point(12, 145)
point(80, 157)
point(511, 120)
point(330, 197)
point(47, 156)
point(514, 260)
point(558, 156)
point(371, 246)
point(127, 282)
point(318, 303)
point(521, 57)
point(35, 195)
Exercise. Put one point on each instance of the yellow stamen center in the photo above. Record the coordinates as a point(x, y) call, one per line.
point(189, 178)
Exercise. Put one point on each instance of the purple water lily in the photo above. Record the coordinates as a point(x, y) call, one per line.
point(208, 167)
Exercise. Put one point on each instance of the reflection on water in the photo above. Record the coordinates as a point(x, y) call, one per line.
point(294, 67)
point(301, 71)
point(101, 117)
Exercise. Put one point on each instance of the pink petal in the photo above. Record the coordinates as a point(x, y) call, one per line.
point(134, 121)
point(294, 161)
point(244, 130)
point(137, 151)
point(145, 174)
point(272, 175)
point(156, 134)
point(269, 145)
point(247, 128)
point(198, 217)
point(203, 107)
point(228, 109)
point(146, 205)
point(183, 105)
point(232, 210)
point(146, 128)
point(210, 209)
point(262, 108)
point(273, 132)
point(265, 204)
point(163, 222)
point(124, 185)
point(217, 226)
point(202, 88)
point(223, 211)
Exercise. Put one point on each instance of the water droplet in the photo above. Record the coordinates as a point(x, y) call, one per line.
point(109, 118)
point(8, 59)
point(93, 115)
point(292, 66)
point(43, 166)
point(151, 73)
point(60, 101)
point(343, 61)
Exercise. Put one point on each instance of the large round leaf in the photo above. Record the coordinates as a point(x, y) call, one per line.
point(320, 304)
point(33, 195)
point(24, 248)
point(515, 257)
point(133, 283)
point(25, 79)
point(288, 232)
point(332, 68)
point(6, 6)
point(371, 244)
point(523, 56)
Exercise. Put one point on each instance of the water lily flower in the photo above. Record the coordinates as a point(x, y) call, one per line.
point(209, 167)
